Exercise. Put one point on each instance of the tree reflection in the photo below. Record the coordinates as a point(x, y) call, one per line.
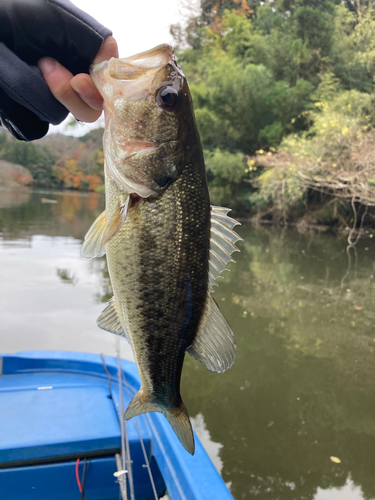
point(23, 213)
point(302, 388)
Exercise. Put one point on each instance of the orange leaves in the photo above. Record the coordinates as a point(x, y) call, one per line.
point(93, 181)
point(76, 181)
point(69, 173)
point(25, 180)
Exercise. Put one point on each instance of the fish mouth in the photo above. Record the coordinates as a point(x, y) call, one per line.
point(129, 148)
point(129, 68)
point(134, 147)
point(138, 76)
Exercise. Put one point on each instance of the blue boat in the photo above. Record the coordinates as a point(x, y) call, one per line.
point(62, 435)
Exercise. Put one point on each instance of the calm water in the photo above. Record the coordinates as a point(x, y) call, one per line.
point(303, 385)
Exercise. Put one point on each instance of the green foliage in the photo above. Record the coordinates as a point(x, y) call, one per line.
point(354, 48)
point(293, 74)
point(334, 160)
point(227, 173)
point(226, 167)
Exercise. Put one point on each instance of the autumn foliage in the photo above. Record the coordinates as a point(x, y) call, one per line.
point(56, 161)
point(24, 180)
point(69, 171)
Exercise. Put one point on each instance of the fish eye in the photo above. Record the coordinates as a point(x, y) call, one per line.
point(166, 97)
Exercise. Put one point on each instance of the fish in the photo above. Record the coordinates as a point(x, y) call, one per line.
point(165, 244)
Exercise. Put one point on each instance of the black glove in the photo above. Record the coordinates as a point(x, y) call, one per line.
point(30, 30)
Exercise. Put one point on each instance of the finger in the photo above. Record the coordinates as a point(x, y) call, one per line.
point(83, 84)
point(85, 88)
point(107, 50)
point(58, 80)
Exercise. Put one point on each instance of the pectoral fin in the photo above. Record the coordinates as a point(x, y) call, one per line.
point(102, 231)
point(214, 346)
point(92, 245)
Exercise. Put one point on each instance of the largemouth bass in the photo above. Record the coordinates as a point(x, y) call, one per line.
point(165, 244)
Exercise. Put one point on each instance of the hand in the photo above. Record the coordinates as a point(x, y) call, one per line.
point(77, 93)
point(51, 30)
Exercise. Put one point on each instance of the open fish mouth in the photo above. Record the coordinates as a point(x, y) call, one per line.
point(137, 76)
point(130, 68)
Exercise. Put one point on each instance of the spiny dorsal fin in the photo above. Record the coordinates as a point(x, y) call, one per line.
point(109, 319)
point(92, 245)
point(222, 242)
point(102, 231)
point(214, 346)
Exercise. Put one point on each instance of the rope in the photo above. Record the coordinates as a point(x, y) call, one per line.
point(121, 469)
point(81, 490)
point(77, 476)
point(86, 466)
point(147, 464)
point(121, 478)
point(125, 449)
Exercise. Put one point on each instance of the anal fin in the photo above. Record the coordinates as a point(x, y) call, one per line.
point(109, 319)
point(214, 345)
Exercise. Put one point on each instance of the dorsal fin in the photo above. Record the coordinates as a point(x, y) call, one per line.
point(222, 243)
point(214, 345)
point(109, 319)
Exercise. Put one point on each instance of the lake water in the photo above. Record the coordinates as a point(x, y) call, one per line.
point(302, 389)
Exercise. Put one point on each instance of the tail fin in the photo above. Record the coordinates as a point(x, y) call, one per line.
point(177, 417)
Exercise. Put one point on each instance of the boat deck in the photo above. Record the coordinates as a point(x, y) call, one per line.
point(61, 411)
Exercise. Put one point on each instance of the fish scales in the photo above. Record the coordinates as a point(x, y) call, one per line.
point(158, 265)
point(159, 232)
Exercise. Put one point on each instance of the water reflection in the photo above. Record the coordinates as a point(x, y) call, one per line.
point(14, 197)
point(302, 388)
point(212, 448)
point(347, 492)
point(23, 213)
point(303, 385)
point(50, 298)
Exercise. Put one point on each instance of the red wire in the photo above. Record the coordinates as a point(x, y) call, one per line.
point(77, 476)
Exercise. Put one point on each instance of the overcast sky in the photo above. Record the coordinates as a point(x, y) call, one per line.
point(137, 25)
